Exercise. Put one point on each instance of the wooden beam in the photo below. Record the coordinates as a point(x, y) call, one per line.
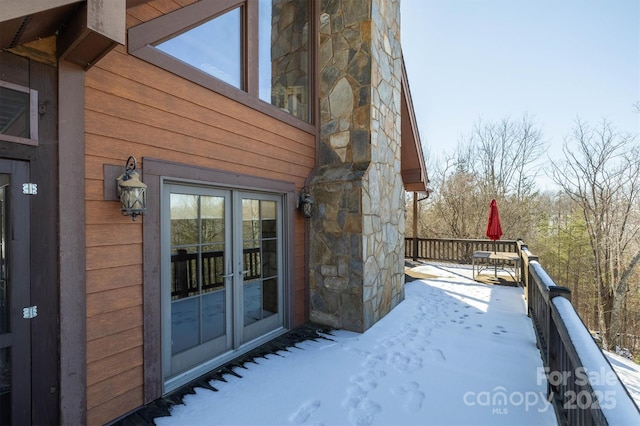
point(16, 9)
point(108, 19)
point(95, 29)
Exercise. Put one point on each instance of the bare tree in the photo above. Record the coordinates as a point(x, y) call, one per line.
point(602, 175)
point(498, 160)
point(456, 204)
point(505, 153)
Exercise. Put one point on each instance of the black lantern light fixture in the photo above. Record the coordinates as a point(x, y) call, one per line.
point(305, 203)
point(131, 191)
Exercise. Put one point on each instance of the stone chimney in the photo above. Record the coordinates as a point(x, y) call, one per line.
point(357, 233)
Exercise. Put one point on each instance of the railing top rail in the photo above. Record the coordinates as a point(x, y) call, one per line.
point(465, 240)
point(613, 397)
point(541, 276)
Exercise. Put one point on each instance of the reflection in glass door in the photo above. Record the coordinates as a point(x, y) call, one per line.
point(200, 301)
point(261, 288)
point(223, 288)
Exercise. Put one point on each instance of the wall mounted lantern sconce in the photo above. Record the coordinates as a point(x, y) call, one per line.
point(305, 203)
point(131, 191)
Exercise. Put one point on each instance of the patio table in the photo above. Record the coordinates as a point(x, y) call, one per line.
point(495, 258)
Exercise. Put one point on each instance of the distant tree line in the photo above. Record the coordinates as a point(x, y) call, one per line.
point(585, 231)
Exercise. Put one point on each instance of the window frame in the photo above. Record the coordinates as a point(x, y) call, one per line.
point(32, 140)
point(141, 40)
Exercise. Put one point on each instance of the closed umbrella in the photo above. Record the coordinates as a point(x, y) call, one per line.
point(494, 230)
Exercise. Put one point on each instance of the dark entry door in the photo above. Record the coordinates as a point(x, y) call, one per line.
point(15, 309)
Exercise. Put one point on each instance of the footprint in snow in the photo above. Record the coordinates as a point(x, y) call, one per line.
point(363, 414)
point(367, 380)
point(413, 397)
point(437, 355)
point(500, 330)
point(372, 360)
point(304, 412)
point(404, 362)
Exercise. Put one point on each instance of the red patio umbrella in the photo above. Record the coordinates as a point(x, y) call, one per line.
point(494, 230)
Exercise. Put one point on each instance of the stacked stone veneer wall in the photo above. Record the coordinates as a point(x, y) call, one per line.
point(357, 232)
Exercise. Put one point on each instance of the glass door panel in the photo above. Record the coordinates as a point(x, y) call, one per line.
point(185, 327)
point(251, 260)
point(200, 295)
point(261, 283)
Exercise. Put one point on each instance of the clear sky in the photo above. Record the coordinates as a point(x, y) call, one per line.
point(554, 60)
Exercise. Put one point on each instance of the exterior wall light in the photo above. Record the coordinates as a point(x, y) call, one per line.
point(131, 191)
point(305, 203)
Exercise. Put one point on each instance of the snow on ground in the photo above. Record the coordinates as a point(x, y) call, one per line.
point(454, 352)
point(628, 372)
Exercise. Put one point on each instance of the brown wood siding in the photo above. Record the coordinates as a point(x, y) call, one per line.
point(108, 346)
point(156, 8)
point(134, 108)
point(113, 278)
point(118, 384)
point(122, 403)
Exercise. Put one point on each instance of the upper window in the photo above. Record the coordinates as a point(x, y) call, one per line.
point(213, 48)
point(260, 47)
point(18, 114)
point(283, 49)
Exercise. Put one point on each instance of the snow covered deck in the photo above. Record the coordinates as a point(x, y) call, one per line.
point(455, 351)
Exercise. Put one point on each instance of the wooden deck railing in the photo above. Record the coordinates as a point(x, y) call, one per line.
point(582, 385)
point(453, 250)
point(187, 268)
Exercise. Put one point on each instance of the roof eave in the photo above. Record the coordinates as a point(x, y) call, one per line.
point(414, 170)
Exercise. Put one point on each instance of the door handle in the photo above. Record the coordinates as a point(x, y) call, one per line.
point(246, 271)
